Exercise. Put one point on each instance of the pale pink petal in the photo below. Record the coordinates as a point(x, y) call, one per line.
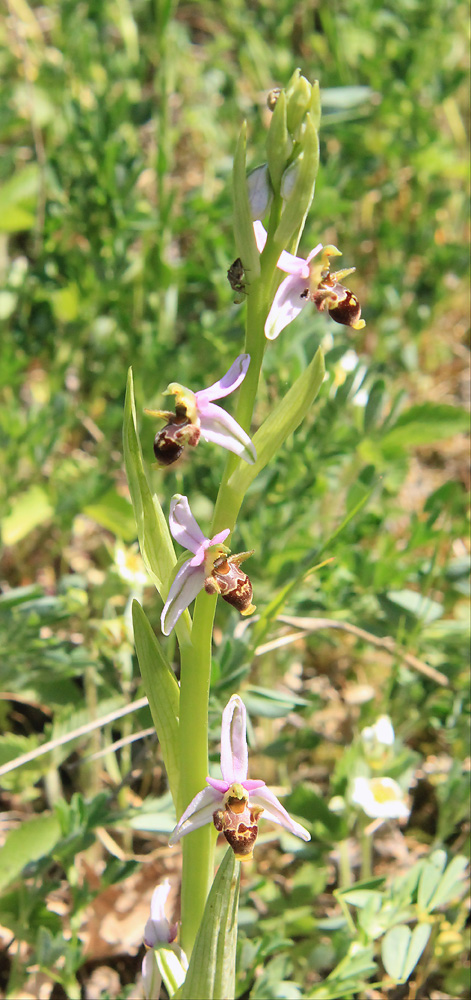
point(260, 235)
point(158, 927)
point(293, 265)
point(274, 811)
point(185, 587)
point(234, 751)
point(287, 304)
point(250, 784)
point(198, 813)
point(183, 525)
point(219, 784)
point(227, 384)
point(314, 252)
point(220, 537)
point(219, 427)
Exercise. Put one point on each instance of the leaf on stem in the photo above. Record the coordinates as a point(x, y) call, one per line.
point(281, 422)
point(162, 692)
point(211, 974)
point(152, 529)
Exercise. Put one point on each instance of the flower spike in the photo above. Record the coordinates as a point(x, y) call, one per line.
point(197, 416)
point(210, 568)
point(309, 282)
point(235, 802)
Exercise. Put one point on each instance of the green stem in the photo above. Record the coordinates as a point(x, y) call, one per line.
point(198, 847)
point(366, 843)
point(345, 871)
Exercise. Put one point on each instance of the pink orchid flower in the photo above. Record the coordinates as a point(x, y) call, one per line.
point(210, 567)
point(161, 961)
point(191, 576)
point(308, 282)
point(196, 415)
point(235, 802)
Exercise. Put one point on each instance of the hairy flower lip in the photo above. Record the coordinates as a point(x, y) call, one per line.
point(234, 768)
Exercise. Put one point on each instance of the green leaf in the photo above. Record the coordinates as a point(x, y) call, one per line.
point(16, 219)
point(425, 424)
point(451, 884)
point(420, 936)
point(22, 186)
point(302, 193)
point(281, 422)
point(152, 530)
point(115, 514)
point(162, 692)
point(416, 604)
point(429, 879)
point(29, 510)
point(211, 974)
point(374, 404)
point(394, 948)
point(29, 842)
point(401, 949)
point(243, 225)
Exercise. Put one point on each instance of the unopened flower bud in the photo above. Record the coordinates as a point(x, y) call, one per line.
point(299, 95)
point(260, 192)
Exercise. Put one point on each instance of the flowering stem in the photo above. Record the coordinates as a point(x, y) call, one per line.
point(198, 847)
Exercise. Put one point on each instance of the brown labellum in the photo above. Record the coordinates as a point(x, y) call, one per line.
point(348, 311)
point(230, 581)
point(171, 440)
point(239, 826)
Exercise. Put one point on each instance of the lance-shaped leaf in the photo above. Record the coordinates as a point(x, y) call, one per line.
point(281, 422)
point(162, 692)
point(211, 974)
point(155, 542)
point(302, 190)
point(243, 226)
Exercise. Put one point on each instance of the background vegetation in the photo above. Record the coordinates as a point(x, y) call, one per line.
point(118, 124)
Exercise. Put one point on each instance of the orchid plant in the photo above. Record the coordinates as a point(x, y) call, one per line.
point(279, 194)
